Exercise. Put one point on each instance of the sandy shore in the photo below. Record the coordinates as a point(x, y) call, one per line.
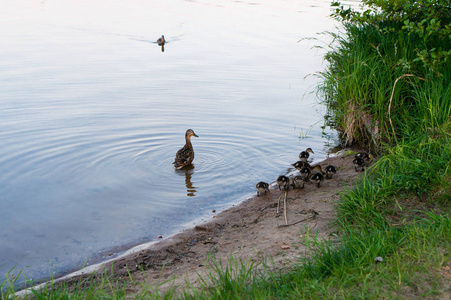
point(248, 231)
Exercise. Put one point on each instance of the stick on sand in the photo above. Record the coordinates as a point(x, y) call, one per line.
point(285, 207)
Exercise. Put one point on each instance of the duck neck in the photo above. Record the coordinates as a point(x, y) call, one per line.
point(188, 141)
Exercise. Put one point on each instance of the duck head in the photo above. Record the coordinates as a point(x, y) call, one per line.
point(189, 133)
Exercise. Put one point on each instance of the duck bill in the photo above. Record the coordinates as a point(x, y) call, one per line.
point(195, 134)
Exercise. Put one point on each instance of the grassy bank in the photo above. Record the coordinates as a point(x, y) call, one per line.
point(388, 88)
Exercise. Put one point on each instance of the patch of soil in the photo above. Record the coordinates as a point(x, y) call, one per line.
point(248, 231)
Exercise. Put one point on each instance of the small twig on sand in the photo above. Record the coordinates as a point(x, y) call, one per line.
point(285, 207)
point(309, 218)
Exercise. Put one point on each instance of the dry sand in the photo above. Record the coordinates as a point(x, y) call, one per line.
point(248, 231)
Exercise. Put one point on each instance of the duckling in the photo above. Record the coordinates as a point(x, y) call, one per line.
point(362, 155)
point(304, 155)
point(330, 170)
point(297, 182)
point(185, 155)
point(367, 157)
point(161, 41)
point(317, 178)
point(317, 169)
point(305, 173)
point(262, 188)
point(362, 160)
point(301, 164)
point(359, 163)
point(283, 182)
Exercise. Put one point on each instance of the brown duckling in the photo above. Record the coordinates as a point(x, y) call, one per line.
point(297, 182)
point(317, 169)
point(317, 178)
point(367, 157)
point(262, 188)
point(301, 164)
point(185, 155)
point(304, 155)
point(305, 173)
point(359, 164)
point(330, 170)
point(283, 182)
point(362, 160)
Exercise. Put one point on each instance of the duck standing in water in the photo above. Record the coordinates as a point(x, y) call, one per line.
point(304, 155)
point(185, 156)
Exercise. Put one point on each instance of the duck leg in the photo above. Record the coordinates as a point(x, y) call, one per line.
point(278, 205)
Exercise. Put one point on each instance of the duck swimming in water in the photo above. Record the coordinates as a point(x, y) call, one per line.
point(304, 155)
point(185, 156)
point(161, 41)
point(262, 188)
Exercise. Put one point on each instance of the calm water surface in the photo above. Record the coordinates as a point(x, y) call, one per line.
point(92, 113)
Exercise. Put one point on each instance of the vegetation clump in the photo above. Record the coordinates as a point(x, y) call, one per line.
point(388, 76)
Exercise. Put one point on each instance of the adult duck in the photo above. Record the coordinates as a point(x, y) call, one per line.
point(185, 156)
point(161, 41)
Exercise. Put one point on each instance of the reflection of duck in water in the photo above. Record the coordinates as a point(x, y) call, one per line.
point(185, 155)
point(161, 41)
point(190, 189)
point(188, 172)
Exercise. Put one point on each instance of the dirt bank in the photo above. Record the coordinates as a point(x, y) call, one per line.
point(250, 230)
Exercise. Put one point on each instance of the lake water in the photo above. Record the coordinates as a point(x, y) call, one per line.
point(92, 112)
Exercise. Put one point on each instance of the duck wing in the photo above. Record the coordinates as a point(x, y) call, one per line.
point(183, 157)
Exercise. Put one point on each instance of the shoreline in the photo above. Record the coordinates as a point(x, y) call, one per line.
point(249, 230)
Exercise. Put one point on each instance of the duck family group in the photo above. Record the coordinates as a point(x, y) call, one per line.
point(312, 173)
point(307, 172)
